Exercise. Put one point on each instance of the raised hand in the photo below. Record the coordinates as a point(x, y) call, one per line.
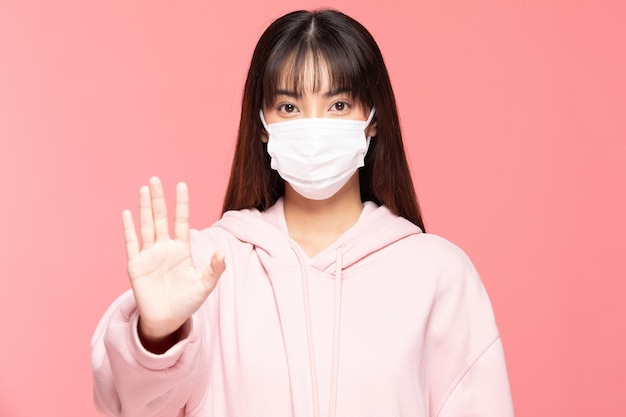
point(167, 286)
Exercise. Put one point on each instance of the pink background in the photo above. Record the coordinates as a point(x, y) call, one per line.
point(514, 118)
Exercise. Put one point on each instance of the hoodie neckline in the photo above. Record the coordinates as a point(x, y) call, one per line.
point(276, 216)
point(376, 228)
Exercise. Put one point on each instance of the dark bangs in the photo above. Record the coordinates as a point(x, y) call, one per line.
point(330, 51)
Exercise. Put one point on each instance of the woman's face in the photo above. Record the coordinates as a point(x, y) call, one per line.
point(325, 102)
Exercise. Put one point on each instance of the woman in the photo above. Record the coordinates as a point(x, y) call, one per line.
point(317, 293)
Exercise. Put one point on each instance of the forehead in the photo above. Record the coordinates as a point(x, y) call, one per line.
point(309, 75)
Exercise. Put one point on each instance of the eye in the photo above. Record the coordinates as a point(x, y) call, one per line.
point(287, 108)
point(340, 106)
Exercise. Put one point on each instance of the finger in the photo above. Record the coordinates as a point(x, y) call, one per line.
point(146, 222)
point(159, 209)
point(130, 236)
point(181, 217)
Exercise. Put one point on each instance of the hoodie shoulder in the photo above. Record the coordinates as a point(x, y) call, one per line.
point(439, 247)
point(444, 258)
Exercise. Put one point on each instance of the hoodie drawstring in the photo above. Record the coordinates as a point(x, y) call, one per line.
point(337, 320)
point(309, 333)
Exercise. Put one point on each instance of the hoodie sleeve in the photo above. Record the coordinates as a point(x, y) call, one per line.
point(482, 389)
point(465, 361)
point(131, 381)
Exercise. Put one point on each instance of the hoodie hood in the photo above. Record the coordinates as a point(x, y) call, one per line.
point(376, 228)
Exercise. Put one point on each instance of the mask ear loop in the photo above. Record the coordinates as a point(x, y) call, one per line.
point(367, 123)
point(267, 129)
point(369, 119)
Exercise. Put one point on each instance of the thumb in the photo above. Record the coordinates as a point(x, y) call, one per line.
point(215, 269)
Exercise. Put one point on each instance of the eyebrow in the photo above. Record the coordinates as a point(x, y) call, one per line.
point(337, 91)
point(288, 93)
point(330, 93)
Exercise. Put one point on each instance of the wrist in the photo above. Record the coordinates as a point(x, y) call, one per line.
point(157, 342)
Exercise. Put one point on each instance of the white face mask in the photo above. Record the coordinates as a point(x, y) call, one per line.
point(317, 156)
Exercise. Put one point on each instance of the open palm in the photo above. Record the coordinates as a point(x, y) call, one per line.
point(167, 286)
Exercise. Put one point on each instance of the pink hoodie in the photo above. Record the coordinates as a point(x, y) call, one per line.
point(386, 322)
